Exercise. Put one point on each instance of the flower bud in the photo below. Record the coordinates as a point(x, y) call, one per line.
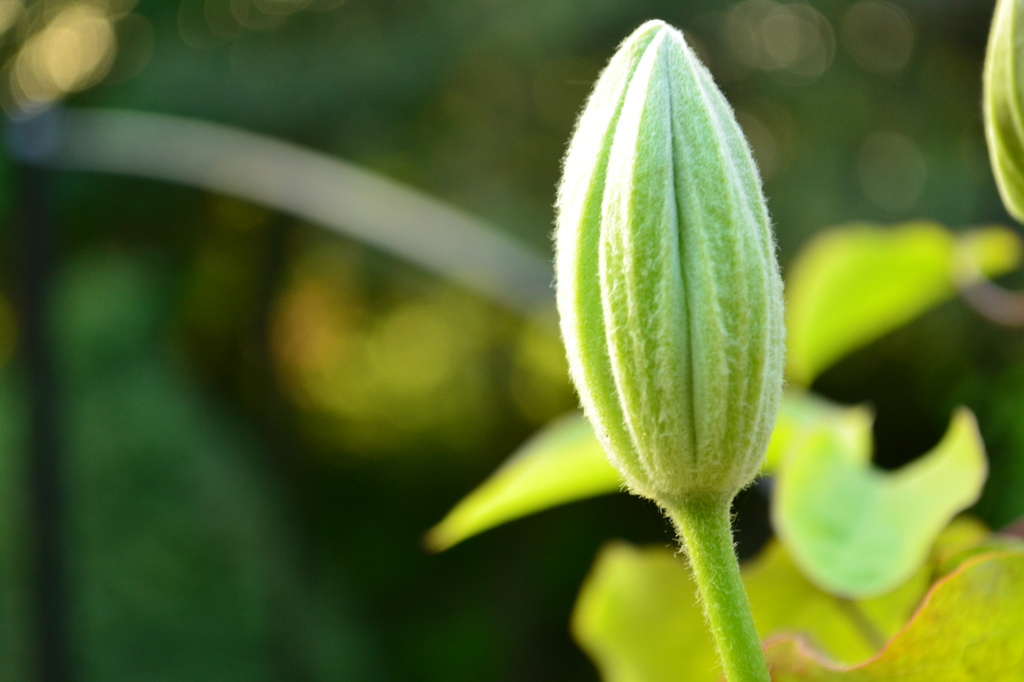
point(1004, 104)
point(669, 291)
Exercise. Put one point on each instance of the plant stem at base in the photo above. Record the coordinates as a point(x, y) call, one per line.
point(706, 533)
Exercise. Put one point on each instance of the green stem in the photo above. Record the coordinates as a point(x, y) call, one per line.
point(706, 533)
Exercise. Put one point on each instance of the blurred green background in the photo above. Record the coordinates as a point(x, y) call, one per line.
point(258, 418)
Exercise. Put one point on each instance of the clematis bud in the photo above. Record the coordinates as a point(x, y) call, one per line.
point(1004, 103)
point(668, 288)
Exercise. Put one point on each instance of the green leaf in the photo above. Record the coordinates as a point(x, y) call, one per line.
point(784, 600)
point(851, 285)
point(639, 619)
point(857, 531)
point(968, 629)
point(803, 413)
point(561, 463)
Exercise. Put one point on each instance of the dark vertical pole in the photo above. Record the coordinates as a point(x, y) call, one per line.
point(36, 257)
point(289, 628)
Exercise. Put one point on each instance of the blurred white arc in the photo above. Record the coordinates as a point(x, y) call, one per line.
point(309, 185)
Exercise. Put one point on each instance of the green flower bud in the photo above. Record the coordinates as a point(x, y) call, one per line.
point(1004, 104)
point(668, 287)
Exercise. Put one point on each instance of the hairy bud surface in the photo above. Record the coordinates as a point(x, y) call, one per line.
point(668, 287)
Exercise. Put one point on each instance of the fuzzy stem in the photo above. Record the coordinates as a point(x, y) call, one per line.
point(706, 535)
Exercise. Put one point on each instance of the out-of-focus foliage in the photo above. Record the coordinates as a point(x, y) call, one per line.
point(474, 100)
point(852, 285)
point(177, 532)
point(632, 621)
point(967, 629)
point(801, 414)
point(858, 531)
point(639, 618)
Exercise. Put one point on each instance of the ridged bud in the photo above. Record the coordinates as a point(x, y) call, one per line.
point(668, 287)
point(1004, 103)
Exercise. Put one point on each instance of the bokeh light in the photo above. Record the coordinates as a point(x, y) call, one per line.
point(879, 35)
point(892, 170)
point(71, 51)
point(792, 38)
point(10, 10)
point(413, 372)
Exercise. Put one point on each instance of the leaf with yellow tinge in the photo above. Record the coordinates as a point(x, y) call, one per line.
point(784, 600)
point(561, 463)
point(639, 620)
point(803, 413)
point(638, 617)
point(970, 628)
point(857, 531)
point(853, 284)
